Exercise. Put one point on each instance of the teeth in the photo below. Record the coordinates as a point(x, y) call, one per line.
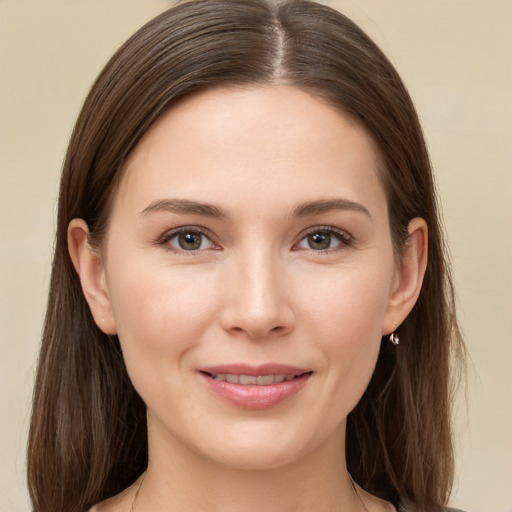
point(248, 379)
point(261, 380)
point(265, 379)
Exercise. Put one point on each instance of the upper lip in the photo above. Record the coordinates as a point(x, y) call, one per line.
point(255, 371)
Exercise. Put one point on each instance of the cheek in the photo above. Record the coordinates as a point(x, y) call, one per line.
point(346, 315)
point(349, 305)
point(159, 314)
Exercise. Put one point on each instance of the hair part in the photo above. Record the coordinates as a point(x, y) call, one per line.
point(88, 435)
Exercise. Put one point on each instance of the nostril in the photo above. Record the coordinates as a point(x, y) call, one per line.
point(258, 331)
point(256, 320)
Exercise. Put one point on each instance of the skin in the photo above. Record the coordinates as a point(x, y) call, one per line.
point(256, 291)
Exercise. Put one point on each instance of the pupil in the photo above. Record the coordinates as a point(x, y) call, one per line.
point(190, 241)
point(320, 241)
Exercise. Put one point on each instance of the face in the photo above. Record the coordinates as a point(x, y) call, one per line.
point(250, 273)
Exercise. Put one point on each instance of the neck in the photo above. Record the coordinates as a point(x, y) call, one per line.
point(179, 479)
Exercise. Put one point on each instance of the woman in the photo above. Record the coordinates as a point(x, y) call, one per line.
point(250, 307)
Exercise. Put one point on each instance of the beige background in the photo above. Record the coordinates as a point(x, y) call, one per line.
point(455, 56)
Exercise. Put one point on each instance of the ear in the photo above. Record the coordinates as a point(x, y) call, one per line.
point(409, 274)
point(90, 269)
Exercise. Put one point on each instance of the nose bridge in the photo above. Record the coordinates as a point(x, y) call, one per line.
point(258, 303)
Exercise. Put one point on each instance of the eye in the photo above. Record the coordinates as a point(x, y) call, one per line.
point(324, 239)
point(188, 240)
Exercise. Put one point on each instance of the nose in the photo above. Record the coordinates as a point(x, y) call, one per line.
point(258, 299)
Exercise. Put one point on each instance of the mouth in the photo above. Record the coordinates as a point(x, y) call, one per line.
point(251, 380)
point(250, 387)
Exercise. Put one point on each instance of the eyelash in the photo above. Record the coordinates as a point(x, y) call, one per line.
point(167, 237)
point(344, 239)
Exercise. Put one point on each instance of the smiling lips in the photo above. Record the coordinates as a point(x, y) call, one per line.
point(255, 387)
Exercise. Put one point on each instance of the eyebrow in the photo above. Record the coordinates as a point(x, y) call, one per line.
point(207, 210)
point(327, 205)
point(184, 206)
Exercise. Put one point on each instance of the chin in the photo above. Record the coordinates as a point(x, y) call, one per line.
point(258, 447)
point(257, 457)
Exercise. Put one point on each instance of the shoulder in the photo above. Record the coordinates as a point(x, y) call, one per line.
point(119, 503)
point(408, 507)
point(111, 505)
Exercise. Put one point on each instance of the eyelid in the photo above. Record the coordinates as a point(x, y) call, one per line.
point(170, 234)
point(345, 238)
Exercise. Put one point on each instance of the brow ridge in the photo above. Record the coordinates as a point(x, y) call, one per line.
point(326, 205)
point(208, 210)
point(184, 206)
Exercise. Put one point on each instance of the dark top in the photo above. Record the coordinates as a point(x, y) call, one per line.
point(409, 507)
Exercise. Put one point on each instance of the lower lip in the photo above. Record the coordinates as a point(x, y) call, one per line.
point(252, 396)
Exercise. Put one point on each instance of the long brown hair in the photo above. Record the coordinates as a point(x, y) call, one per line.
point(88, 438)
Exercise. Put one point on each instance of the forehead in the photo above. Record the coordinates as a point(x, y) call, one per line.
point(271, 141)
